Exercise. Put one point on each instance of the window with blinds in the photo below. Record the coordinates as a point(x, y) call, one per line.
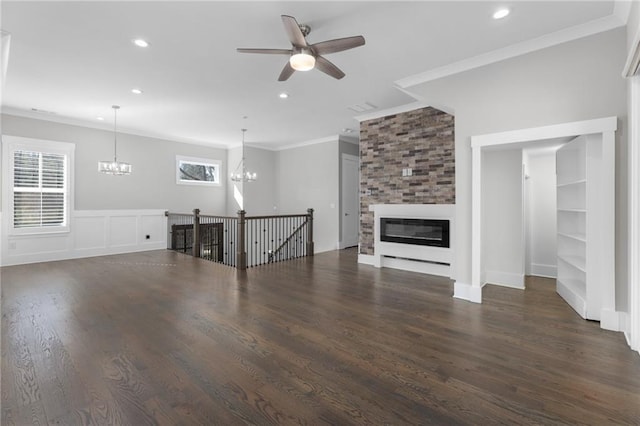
point(39, 189)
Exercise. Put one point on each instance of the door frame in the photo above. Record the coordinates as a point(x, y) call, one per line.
point(356, 159)
point(633, 336)
point(605, 126)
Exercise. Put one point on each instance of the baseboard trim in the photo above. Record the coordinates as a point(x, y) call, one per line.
point(546, 271)
point(613, 320)
point(576, 302)
point(366, 259)
point(467, 292)
point(504, 279)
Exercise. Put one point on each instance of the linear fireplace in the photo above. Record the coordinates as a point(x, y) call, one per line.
point(423, 232)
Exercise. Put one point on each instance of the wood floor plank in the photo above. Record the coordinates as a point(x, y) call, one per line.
point(160, 338)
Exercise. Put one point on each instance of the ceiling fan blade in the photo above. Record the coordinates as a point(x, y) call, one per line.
point(293, 31)
point(267, 51)
point(337, 45)
point(286, 72)
point(328, 68)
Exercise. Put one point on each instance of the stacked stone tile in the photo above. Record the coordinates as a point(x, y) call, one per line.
point(422, 140)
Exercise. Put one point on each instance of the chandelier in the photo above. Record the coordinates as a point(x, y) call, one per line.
point(241, 174)
point(114, 167)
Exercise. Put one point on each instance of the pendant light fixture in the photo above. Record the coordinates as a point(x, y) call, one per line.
point(241, 174)
point(114, 167)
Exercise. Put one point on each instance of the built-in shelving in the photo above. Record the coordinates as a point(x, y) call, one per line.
point(580, 225)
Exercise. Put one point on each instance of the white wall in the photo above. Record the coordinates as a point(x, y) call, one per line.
point(289, 182)
point(573, 81)
point(307, 177)
point(503, 248)
point(235, 190)
point(261, 195)
point(541, 214)
point(152, 184)
point(633, 24)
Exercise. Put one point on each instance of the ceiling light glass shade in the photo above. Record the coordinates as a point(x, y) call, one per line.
point(114, 167)
point(245, 176)
point(501, 13)
point(302, 61)
point(141, 42)
point(241, 174)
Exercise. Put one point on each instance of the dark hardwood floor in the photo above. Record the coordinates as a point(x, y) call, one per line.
point(162, 338)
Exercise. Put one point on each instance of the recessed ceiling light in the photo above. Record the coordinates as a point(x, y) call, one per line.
point(283, 95)
point(136, 91)
point(141, 43)
point(100, 118)
point(501, 13)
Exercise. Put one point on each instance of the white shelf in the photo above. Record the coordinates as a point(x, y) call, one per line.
point(571, 183)
point(574, 236)
point(577, 262)
point(573, 210)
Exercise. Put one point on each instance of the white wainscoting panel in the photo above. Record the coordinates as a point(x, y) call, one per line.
point(149, 226)
point(93, 233)
point(90, 232)
point(123, 231)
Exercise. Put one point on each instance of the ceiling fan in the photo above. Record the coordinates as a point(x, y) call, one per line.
point(304, 56)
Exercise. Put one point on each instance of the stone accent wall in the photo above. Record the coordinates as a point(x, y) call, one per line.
point(422, 140)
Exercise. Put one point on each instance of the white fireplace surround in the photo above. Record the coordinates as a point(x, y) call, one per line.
point(423, 259)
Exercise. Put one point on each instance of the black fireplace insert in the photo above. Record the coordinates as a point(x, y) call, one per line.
point(423, 232)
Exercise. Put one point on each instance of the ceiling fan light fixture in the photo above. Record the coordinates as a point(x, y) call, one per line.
point(302, 61)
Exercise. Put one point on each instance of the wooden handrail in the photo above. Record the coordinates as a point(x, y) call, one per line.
point(282, 216)
point(238, 229)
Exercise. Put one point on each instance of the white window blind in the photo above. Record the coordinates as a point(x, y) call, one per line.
point(39, 189)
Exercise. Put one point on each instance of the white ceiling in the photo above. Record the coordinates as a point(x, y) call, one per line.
point(76, 59)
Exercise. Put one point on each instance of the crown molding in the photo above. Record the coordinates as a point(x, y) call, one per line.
point(615, 20)
point(104, 126)
point(332, 138)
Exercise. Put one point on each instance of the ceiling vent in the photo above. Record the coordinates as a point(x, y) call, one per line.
point(363, 107)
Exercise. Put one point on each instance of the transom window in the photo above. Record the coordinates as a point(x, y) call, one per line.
point(197, 171)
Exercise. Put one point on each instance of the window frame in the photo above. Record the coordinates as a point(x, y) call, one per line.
point(200, 162)
point(11, 144)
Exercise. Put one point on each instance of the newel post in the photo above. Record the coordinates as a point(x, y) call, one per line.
point(309, 232)
point(241, 253)
point(196, 233)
